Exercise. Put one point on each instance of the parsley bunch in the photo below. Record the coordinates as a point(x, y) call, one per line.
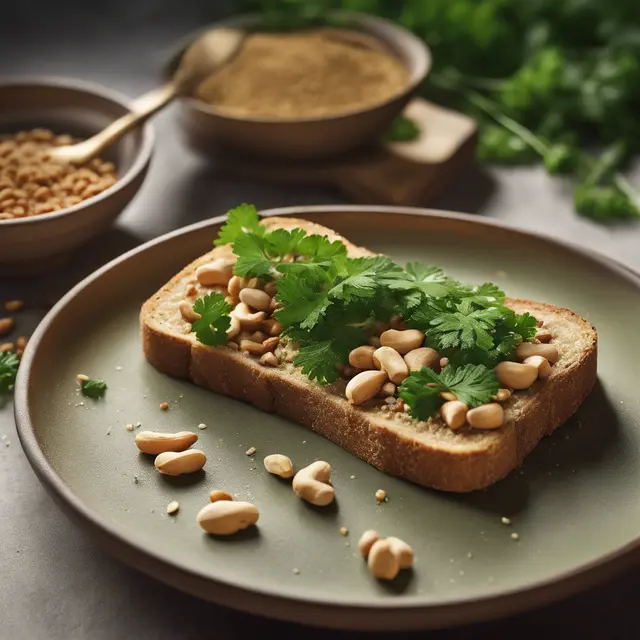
point(9, 363)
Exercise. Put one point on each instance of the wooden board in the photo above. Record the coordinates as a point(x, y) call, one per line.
point(408, 173)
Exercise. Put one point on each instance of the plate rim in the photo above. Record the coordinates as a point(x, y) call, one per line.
point(412, 612)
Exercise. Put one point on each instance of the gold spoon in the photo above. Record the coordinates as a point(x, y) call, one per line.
point(209, 52)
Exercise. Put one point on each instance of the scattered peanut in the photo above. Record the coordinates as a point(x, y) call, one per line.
point(187, 312)
point(234, 328)
point(514, 375)
point(173, 507)
point(454, 413)
point(248, 320)
point(218, 272)
point(21, 343)
point(279, 465)
point(312, 484)
point(250, 451)
point(164, 406)
point(6, 346)
point(153, 442)
point(256, 299)
point(444, 362)
point(269, 359)
point(486, 416)
point(272, 327)
point(402, 551)
point(527, 349)
point(503, 395)
point(344, 531)
point(422, 357)
point(234, 286)
point(6, 326)
point(219, 494)
point(382, 561)
point(362, 357)
point(448, 396)
point(175, 464)
point(225, 517)
point(367, 540)
point(13, 306)
point(389, 360)
point(402, 341)
point(388, 389)
point(364, 386)
point(81, 377)
point(381, 496)
point(544, 336)
point(270, 344)
point(258, 336)
point(541, 364)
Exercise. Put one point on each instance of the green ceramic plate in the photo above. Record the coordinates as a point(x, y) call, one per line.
point(574, 503)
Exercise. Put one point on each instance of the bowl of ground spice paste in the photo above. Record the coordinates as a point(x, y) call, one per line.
point(48, 209)
point(306, 94)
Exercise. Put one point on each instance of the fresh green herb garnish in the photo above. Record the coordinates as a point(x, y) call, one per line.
point(9, 363)
point(403, 129)
point(242, 219)
point(472, 384)
point(93, 388)
point(211, 327)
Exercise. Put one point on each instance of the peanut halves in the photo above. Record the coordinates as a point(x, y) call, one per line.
point(385, 556)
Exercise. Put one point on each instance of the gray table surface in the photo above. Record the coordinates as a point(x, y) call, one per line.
point(55, 582)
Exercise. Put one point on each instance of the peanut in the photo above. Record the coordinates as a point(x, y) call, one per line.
point(6, 326)
point(255, 349)
point(454, 413)
point(270, 288)
point(248, 320)
point(364, 386)
point(514, 375)
point(312, 484)
point(218, 272)
point(269, 359)
point(153, 442)
point(388, 389)
point(382, 561)
point(224, 517)
point(234, 286)
point(367, 540)
point(258, 336)
point(448, 396)
point(234, 328)
point(13, 306)
point(270, 344)
point(187, 312)
point(272, 327)
point(486, 416)
point(389, 360)
point(218, 494)
point(374, 341)
point(279, 465)
point(396, 322)
point(542, 364)
point(256, 299)
point(544, 336)
point(422, 357)
point(362, 357)
point(527, 349)
point(402, 551)
point(503, 395)
point(176, 464)
point(402, 341)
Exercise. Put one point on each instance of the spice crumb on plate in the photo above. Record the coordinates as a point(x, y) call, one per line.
point(173, 507)
point(129, 427)
point(515, 536)
point(296, 570)
point(202, 425)
point(344, 531)
point(13, 306)
point(250, 451)
point(506, 520)
point(381, 496)
point(164, 406)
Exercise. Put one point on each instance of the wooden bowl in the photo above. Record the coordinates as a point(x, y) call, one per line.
point(36, 244)
point(208, 128)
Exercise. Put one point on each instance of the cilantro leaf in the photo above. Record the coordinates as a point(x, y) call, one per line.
point(93, 388)
point(252, 261)
point(485, 295)
point(211, 327)
point(303, 299)
point(472, 384)
point(240, 220)
point(320, 248)
point(9, 363)
point(421, 278)
point(524, 325)
point(283, 242)
point(360, 277)
point(459, 330)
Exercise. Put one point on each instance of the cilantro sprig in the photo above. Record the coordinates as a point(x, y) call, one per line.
point(472, 384)
point(211, 327)
point(93, 388)
point(9, 363)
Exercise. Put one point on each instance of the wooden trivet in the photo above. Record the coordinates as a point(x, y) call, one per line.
point(407, 173)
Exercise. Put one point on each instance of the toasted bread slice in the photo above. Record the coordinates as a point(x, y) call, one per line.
point(425, 452)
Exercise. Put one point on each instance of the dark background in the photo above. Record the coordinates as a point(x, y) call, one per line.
point(54, 581)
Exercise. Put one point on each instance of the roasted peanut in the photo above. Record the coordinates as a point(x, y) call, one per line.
point(402, 551)
point(514, 375)
point(270, 344)
point(6, 326)
point(382, 561)
point(218, 494)
point(256, 299)
point(396, 322)
point(544, 336)
point(249, 321)
point(279, 465)
point(270, 288)
point(218, 272)
point(503, 395)
point(312, 484)
point(362, 357)
point(234, 328)
point(187, 312)
point(154, 442)
point(364, 386)
point(269, 359)
point(392, 362)
point(527, 349)
point(234, 287)
point(447, 396)
point(176, 464)
point(388, 389)
point(224, 517)
point(422, 357)
point(486, 416)
point(367, 540)
point(272, 327)
point(402, 341)
point(454, 413)
point(13, 306)
point(542, 364)
point(258, 336)
point(255, 349)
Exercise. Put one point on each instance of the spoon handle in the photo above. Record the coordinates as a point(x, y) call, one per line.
point(141, 109)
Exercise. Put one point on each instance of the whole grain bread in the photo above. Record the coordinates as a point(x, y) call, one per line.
point(425, 452)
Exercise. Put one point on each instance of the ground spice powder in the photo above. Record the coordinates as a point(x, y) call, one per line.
point(303, 75)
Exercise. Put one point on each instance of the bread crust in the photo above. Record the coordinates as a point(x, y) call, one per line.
point(424, 452)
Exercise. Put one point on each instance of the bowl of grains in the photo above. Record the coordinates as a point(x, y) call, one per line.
point(48, 209)
point(307, 94)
